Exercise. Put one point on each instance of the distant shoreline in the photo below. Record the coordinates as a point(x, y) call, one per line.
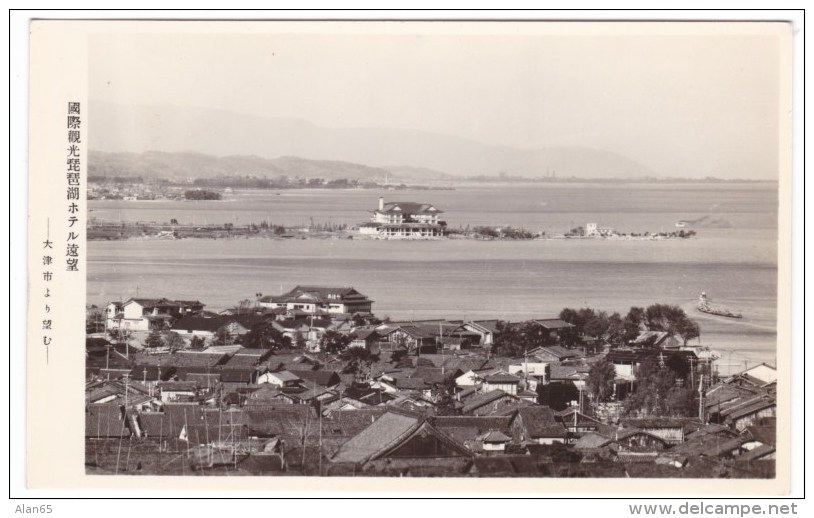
point(173, 232)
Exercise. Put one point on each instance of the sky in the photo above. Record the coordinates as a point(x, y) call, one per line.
point(680, 102)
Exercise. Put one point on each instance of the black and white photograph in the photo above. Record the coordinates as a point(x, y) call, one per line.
point(420, 249)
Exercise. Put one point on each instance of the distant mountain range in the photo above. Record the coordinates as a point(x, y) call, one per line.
point(157, 164)
point(247, 141)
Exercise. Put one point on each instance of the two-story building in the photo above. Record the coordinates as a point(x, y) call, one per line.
point(315, 300)
point(404, 220)
point(142, 314)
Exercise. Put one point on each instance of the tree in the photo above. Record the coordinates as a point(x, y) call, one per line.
point(514, 339)
point(632, 323)
point(266, 336)
point(299, 339)
point(671, 319)
point(600, 379)
point(358, 361)
point(173, 341)
point(615, 334)
point(334, 342)
point(244, 306)
point(197, 342)
point(445, 403)
point(659, 392)
point(154, 340)
point(94, 320)
point(223, 336)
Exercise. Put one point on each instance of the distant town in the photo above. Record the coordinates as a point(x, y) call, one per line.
point(312, 382)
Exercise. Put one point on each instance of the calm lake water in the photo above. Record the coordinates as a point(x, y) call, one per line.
point(733, 258)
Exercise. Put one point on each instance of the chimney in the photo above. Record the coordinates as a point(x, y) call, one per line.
point(381, 203)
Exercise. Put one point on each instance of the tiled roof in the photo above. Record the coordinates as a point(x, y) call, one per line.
point(411, 384)
point(748, 409)
point(202, 379)
point(285, 376)
point(496, 436)
point(182, 359)
point(764, 434)
point(756, 453)
point(475, 402)
point(658, 422)
point(540, 421)
point(382, 434)
point(352, 422)
point(320, 377)
point(488, 325)
point(193, 323)
point(152, 372)
point(591, 440)
point(553, 323)
point(289, 421)
point(178, 386)
point(708, 445)
point(408, 208)
point(237, 375)
point(320, 294)
point(480, 423)
point(103, 421)
point(413, 331)
point(501, 378)
point(558, 351)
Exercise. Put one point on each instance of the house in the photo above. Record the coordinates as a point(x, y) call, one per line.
point(470, 430)
point(539, 371)
point(508, 383)
point(404, 220)
point(656, 339)
point(538, 425)
point(267, 395)
point(407, 337)
point(397, 436)
point(554, 354)
point(578, 423)
point(365, 338)
point(314, 300)
point(554, 327)
point(150, 375)
point(143, 314)
point(635, 441)
point(627, 361)
point(759, 375)
point(280, 379)
point(744, 412)
point(208, 327)
point(106, 421)
point(494, 441)
point(670, 429)
point(475, 376)
point(234, 378)
point(177, 390)
point(485, 330)
point(494, 402)
point(320, 378)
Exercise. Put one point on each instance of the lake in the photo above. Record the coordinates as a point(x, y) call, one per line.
point(733, 258)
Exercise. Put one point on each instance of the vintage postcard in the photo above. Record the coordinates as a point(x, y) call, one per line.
point(499, 254)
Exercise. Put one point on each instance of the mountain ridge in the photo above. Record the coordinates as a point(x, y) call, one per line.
point(220, 133)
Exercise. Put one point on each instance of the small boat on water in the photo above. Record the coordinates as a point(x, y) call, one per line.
point(681, 223)
point(705, 306)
